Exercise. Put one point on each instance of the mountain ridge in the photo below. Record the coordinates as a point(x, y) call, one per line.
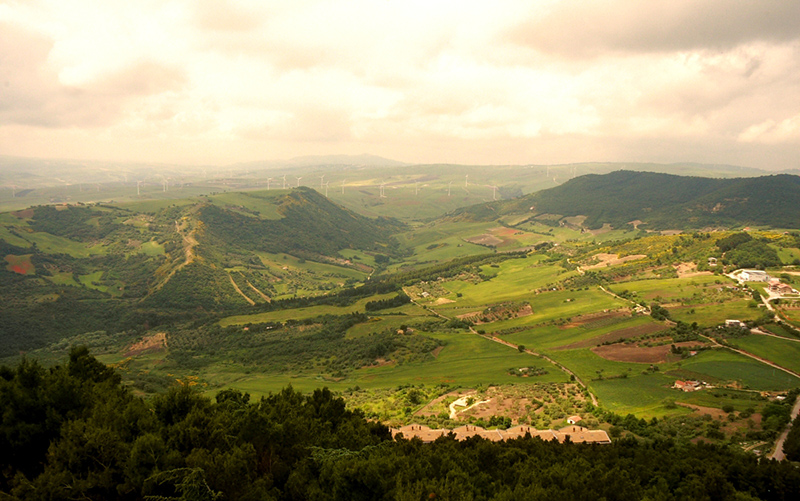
point(660, 200)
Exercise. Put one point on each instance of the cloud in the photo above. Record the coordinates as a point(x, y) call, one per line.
point(32, 92)
point(772, 132)
point(225, 16)
point(589, 28)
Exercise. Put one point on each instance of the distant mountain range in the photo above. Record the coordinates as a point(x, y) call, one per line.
point(659, 201)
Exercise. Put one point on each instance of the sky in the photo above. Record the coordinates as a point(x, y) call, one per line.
point(472, 82)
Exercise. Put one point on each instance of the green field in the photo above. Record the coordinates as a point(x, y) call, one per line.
point(300, 313)
point(709, 315)
point(152, 248)
point(731, 366)
point(641, 395)
point(466, 360)
point(546, 306)
point(552, 336)
point(667, 289)
point(783, 352)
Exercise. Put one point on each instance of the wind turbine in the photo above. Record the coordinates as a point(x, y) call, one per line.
point(466, 181)
point(137, 188)
point(321, 182)
point(268, 181)
point(326, 189)
point(448, 188)
point(494, 192)
point(382, 193)
point(284, 181)
point(342, 186)
point(298, 180)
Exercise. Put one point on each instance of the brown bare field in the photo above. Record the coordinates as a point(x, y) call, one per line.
point(626, 333)
point(496, 314)
point(582, 320)
point(686, 270)
point(485, 239)
point(604, 229)
point(23, 214)
point(612, 259)
point(639, 354)
point(148, 344)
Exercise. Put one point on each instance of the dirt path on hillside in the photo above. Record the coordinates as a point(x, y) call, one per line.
point(263, 296)
point(233, 283)
point(189, 243)
point(462, 402)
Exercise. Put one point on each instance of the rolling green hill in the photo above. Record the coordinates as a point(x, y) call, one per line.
point(72, 269)
point(660, 201)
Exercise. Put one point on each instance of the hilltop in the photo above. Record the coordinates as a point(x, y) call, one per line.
point(658, 201)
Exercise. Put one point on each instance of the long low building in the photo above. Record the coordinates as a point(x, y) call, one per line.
point(574, 433)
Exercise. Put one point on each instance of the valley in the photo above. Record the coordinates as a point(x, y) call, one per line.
point(542, 315)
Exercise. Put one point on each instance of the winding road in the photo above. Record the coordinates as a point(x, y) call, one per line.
point(778, 454)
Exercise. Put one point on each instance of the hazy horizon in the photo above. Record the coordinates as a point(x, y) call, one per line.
point(217, 83)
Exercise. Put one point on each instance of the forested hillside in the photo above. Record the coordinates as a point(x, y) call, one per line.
point(310, 225)
point(660, 201)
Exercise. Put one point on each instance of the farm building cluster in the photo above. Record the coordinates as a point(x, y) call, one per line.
point(690, 385)
point(573, 433)
point(774, 284)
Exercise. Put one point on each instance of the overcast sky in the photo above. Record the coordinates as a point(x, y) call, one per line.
point(218, 82)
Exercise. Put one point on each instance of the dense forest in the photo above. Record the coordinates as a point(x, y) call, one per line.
point(74, 432)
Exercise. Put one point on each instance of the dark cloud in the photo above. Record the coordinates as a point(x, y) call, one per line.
point(33, 95)
point(587, 28)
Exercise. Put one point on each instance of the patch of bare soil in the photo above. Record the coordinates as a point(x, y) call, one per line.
point(605, 259)
point(148, 344)
point(686, 270)
point(625, 333)
point(604, 229)
point(621, 352)
point(496, 313)
point(636, 223)
point(380, 362)
point(436, 406)
point(582, 320)
point(699, 410)
point(485, 239)
point(443, 300)
point(23, 214)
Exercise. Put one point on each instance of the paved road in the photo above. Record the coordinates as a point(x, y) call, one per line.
point(778, 454)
